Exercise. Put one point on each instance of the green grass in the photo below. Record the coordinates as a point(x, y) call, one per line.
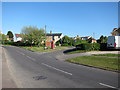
point(101, 62)
point(113, 55)
point(41, 49)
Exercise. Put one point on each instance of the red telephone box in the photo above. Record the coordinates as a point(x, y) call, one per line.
point(52, 44)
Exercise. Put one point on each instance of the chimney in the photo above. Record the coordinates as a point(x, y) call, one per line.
point(50, 31)
point(77, 36)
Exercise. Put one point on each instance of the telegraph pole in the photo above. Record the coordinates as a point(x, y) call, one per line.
point(45, 36)
point(94, 35)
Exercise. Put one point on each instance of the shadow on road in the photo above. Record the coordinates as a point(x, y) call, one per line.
point(70, 50)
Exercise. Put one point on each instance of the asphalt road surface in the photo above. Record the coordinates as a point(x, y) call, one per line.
point(33, 70)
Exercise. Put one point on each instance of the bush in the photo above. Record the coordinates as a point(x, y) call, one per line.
point(103, 46)
point(65, 44)
point(57, 43)
point(84, 46)
point(88, 46)
point(95, 46)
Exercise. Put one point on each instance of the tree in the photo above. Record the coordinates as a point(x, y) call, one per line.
point(103, 39)
point(33, 35)
point(66, 39)
point(4, 38)
point(10, 34)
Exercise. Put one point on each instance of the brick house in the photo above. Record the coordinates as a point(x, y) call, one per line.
point(53, 37)
point(116, 32)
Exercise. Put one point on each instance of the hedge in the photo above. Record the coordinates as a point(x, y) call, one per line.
point(103, 46)
point(89, 46)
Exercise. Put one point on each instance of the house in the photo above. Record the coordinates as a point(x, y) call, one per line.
point(92, 40)
point(85, 38)
point(0, 32)
point(18, 37)
point(53, 37)
point(116, 32)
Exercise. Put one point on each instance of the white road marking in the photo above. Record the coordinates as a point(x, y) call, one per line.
point(26, 55)
point(30, 58)
point(20, 52)
point(107, 85)
point(57, 69)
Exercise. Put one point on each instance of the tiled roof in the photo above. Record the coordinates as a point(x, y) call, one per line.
point(54, 34)
point(18, 35)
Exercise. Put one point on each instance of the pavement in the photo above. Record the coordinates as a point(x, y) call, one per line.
point(0, 67)
point(7, 81)
point(34, 70)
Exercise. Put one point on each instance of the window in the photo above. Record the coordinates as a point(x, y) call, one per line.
point(58, 36)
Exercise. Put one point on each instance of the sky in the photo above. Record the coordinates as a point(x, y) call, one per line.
point(69, 18)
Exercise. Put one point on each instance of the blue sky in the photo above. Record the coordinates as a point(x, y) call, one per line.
point(70, 18)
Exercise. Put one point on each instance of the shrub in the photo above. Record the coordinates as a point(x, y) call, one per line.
point(103, 46)
point(57, 43)
point(88, 46)
point(95, 46)
point(65, 44)
point(84, 46)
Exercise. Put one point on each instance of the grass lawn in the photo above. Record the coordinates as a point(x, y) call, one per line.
point(112, 55)
point(102, 62)
point(41, 49)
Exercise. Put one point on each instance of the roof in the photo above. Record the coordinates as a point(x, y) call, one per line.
point(54, 34)
point(18, 35)
point(84, 37)
point(116, 30)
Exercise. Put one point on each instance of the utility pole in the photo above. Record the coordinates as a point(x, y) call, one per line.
point(45, 36)
point(94, 35)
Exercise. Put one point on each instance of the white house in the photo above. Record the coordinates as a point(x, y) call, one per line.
point(17, 37)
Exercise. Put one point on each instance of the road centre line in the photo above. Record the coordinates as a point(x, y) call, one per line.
point(56, 69)
point(20, 52)
point(26, 56)
point(30, 58)
point(107, 85)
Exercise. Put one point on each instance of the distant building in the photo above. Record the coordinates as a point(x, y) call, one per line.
point(53, 37)
point(116, 32)
point(92, 40)
point(85, 38)
point(0, 32)
point(18, 37)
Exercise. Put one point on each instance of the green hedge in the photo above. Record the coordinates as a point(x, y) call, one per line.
point(89, 46)
point(65, 44)
point(103, 46)
point(95, 46)
point(15, 43)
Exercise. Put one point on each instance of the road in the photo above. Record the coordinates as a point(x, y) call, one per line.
point(33, 70)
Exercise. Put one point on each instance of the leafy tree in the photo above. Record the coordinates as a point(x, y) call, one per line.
point(4, 38)
point(103, 39)
point(66, 39)
point(10, 34)
point(33, 35)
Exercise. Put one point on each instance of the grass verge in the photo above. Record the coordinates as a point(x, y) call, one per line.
point(100, 62)
point(112, 55)
point(41, 49)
